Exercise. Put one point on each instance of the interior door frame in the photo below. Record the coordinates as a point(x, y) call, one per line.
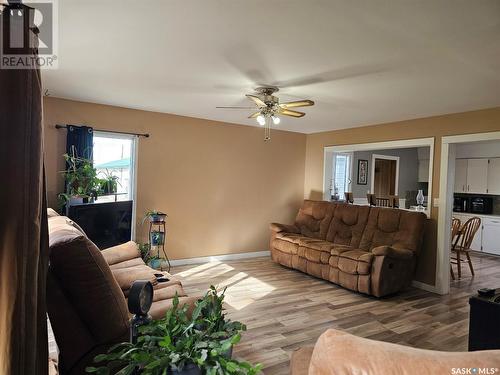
point(446, 190)
point(372, 179)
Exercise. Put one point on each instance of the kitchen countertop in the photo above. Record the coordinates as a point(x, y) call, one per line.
point(478, 215)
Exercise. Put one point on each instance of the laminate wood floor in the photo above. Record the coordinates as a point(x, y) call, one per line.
point(285, 309)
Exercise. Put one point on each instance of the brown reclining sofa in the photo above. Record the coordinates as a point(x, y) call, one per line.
point(87, 290)
point(371, 250)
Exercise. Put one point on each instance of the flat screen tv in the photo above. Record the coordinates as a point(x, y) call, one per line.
point(106, 224)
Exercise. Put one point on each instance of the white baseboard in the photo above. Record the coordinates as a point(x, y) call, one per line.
point(424, 286)
point(220, 258)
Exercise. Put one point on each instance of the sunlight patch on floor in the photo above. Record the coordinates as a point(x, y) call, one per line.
point(246, 291)
point(198, 268)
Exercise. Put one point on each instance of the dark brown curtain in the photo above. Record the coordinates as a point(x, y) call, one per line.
point(23, 224)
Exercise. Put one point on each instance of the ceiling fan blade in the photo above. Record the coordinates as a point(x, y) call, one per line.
point(298, 103)
point(256, 100)
point(288, 112)
point(346, 72)
point(236, 107)
point(254, 115)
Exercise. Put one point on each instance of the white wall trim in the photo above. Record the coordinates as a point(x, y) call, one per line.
point(220, 258)
point(446, 187)
point(372, 179)
point(400, 143)
point(424, 286)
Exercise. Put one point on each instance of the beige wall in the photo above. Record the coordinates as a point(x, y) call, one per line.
point(221, 184)
point(438, 126)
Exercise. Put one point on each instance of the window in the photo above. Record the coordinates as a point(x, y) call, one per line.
point(114, 155)
point(341, 181)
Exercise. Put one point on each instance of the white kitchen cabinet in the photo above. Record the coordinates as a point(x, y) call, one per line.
point(477, 176)
point(423, 170)
point(491, 235)
point(471, 176)
point(460, 176)
point(494, 176)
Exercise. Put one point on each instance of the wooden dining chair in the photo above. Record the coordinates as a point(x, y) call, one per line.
point(456, 225)
point(394, 201)
point(372, 200)
point(349, 198)
point(383, 202)
point(467, 233)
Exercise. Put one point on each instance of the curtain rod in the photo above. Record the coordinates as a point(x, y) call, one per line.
point(146, 135)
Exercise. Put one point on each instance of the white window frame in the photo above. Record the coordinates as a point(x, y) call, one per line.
point(350, 155)
point(133, 171)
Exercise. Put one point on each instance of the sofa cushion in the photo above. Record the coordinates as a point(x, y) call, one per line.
point(396, 228)
point(313, 255)
point(316, 244)
point(313, 219)
point(78, 266)
point(347, 225)
point(355, 262)
point(126, 276)
point(127, 264)
point(290, 237)
point(339, 249)
point(284, 246)
point(120, 253)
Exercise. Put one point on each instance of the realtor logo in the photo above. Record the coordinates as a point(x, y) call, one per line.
point(27, 26)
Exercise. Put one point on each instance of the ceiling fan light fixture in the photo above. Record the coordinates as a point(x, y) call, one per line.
point(261, 120)
point(276, 120)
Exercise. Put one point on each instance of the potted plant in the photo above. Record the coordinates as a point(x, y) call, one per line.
point(213, 318)
point(174, 345)
point(155, 216)
point(82, 183)
point(109, 183)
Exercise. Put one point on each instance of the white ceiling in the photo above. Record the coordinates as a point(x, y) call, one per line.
point(362, 62)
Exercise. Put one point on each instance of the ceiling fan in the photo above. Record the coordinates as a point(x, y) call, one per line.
point(269, 108)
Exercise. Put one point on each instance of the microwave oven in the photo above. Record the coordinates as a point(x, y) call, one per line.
point(481, 205)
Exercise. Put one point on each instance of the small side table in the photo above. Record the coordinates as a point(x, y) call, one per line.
point(159, 227)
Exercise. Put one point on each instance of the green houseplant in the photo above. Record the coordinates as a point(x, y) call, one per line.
point(81, 179)
point(180, 344)
point(109, 183)
point(154, 216)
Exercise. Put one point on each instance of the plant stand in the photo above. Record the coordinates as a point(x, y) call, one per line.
point(159, 227)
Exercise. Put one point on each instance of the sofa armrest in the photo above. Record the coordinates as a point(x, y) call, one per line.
point(340, 353)
point(121, 253)
point(391, 252)
point(276, 227)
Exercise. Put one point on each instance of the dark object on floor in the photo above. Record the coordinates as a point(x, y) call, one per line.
point(484, 322)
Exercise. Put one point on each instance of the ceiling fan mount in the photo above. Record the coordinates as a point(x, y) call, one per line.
point(267, 90)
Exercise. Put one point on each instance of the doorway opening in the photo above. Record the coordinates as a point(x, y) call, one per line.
point(385, 175)
point(468, 182)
